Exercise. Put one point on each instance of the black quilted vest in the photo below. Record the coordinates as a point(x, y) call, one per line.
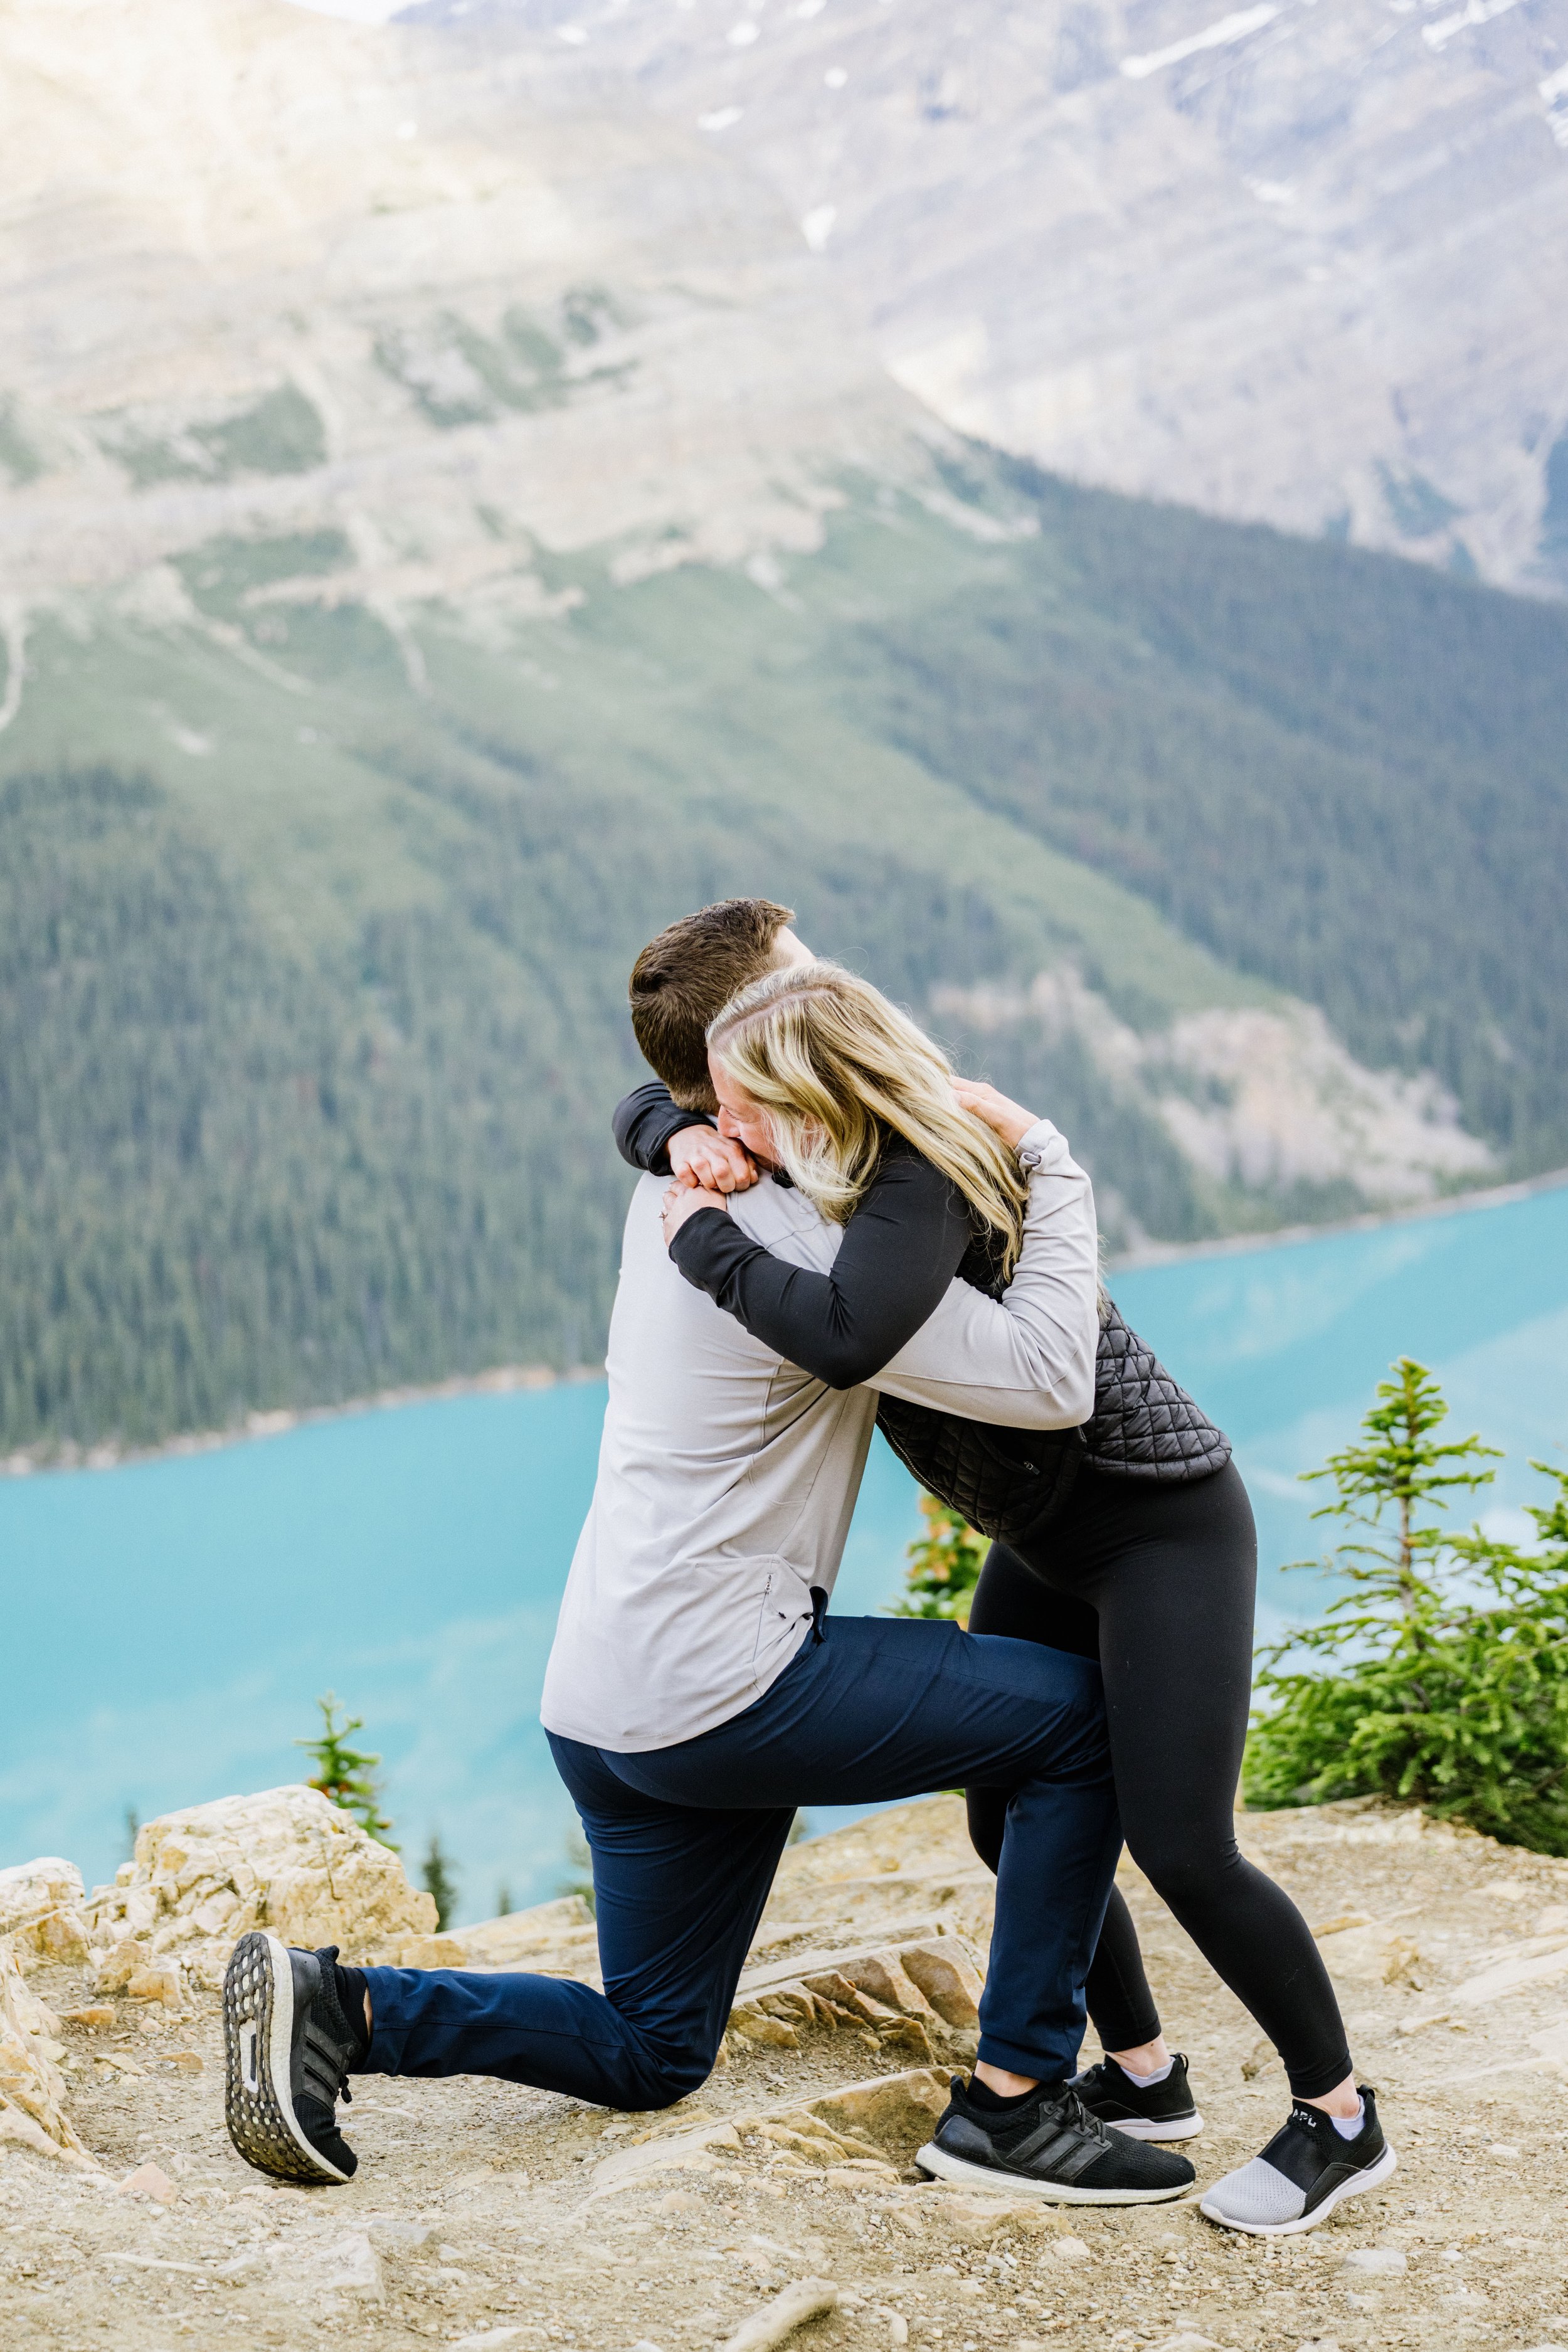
point(1011, 1484)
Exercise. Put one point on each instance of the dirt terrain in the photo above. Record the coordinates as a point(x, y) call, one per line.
point(484, 2215)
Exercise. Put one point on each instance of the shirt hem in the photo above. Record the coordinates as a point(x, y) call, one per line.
point(618, 1744)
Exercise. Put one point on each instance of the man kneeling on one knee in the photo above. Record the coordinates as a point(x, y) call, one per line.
point(699, 1692)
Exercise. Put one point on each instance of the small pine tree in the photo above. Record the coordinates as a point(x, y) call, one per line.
point(503, 1901)
point(132, 1830)
point(345, 1775)
point(440, 1880)
point(1401, 1467)
point(1440, 1677)
point(944, 1566)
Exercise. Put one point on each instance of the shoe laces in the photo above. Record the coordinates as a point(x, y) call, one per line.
point(1070, 2111)
point(1077, 2117)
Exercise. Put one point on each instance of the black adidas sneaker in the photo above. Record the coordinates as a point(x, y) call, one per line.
point(289, 2047)
point(1052, 2148)
point(1143, 2110)
point(1307, 2168)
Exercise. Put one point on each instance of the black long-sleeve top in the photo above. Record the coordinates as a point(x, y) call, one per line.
point(909, 1234)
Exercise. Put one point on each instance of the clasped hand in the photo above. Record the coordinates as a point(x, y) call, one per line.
point(707, 1167)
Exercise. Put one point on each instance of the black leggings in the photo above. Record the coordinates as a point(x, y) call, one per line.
point(1157, 1581)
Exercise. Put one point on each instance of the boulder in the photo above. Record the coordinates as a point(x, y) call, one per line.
point(32, 2089)
point(41, 1914)
point(874, 2126)
point(286, 1860)
point(1365, 1953)
point(895, 2113)
point(920, 1998)
point(433, 1952)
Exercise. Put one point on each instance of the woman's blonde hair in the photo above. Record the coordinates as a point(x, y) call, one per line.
point(834, 1066)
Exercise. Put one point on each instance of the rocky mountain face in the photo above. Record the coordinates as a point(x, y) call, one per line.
point(633, 272)
point(1300, 261)
point(268, 275)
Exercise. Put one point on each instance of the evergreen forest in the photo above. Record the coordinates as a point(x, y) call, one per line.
point(309, 1035)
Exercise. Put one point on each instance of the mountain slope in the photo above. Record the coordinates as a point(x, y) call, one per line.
point(1284, 262)
point(449, 526)
point(267, 275)
point(1350, 782)
point(313, 996)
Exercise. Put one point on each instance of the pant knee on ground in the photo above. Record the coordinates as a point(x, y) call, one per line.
point(658, 2077)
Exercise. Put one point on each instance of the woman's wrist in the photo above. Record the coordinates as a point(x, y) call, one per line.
point(1039, 1144)
point(1004, 1117)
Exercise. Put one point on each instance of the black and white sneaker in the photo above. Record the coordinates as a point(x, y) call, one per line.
point(1052, 2148)
point(289, 2047)
point(1143, 2110)
point(1307, 2168)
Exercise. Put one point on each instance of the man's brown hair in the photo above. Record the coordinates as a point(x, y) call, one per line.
point(684, 979)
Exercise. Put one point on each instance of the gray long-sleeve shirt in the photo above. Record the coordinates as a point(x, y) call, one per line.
point(727, 1477)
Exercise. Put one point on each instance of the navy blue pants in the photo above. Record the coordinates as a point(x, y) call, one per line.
point(686, 1840)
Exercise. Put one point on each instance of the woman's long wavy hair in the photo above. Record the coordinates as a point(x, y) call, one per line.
point(836, 1068)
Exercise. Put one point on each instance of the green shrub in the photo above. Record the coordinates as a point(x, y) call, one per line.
point(944, 1566)
point(1440, 1677)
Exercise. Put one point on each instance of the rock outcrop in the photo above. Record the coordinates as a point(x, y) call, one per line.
point(32, 2089)
point(41, 1914)
point(856, 2136)
point(287, 1859)
point(1269, 1099)
point(921, 1997)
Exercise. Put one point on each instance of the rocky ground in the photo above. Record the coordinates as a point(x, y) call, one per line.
point(485, 2215)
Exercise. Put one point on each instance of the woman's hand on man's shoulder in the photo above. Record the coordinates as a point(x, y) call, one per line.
point(682, 1202)
point(1008, 1119)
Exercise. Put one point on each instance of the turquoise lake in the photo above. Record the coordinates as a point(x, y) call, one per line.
point(169, 1623)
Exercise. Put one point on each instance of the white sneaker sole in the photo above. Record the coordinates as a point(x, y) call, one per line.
point(1175, 2126)
point(1386, 2163)
point(258, 2033)
point(943, 2166)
